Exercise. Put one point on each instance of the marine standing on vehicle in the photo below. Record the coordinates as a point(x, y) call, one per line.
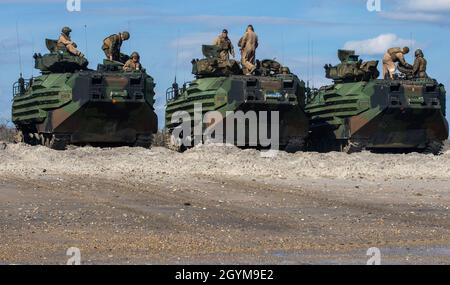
point(392, 56)
point(112, 45)
point(225, 44)
point(248, 45)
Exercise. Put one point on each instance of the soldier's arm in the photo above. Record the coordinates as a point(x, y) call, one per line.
point(416, 66)
point(244, 41)
point(65, 41)
point(107, 44)
point(256, 42)
point(401, 59)
point(127, 66)
point(216, 42)
point(240, 43)
point(232, 49)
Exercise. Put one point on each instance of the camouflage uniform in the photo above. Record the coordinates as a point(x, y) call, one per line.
point(392, 56)
point(65, 41)
point(130, 65)
point(248, 44)
point(227, 47)
point(420, 65)
point(133, 64)
point(111, 46)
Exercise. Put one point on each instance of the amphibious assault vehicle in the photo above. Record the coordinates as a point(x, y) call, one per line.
point(70, 104)
point(273, 98)
point(360, 112)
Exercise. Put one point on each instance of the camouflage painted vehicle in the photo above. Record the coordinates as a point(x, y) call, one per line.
point(70, 104)
point(360, 111)
point(220, 86)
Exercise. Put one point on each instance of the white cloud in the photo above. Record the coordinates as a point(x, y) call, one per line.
point(427, 5)
point(428, 11)
point(378, 45)
point(416, 16)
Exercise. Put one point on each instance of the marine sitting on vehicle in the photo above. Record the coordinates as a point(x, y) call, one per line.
point(133, 63)
point(420, 65)
point(65, 42)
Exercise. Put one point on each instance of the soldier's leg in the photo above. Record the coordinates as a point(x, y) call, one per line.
point(106, 53)
point(385, 70)
point(252, 60)
point(116, 56)
point(73, 50)
point(247, 66)
point(391, 69)
point(244, 64)
point(224, 55)
point(249, 57)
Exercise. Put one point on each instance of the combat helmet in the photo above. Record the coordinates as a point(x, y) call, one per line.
point(419, 53)
point(66, 30)
point(135, 54)
point(126, 36)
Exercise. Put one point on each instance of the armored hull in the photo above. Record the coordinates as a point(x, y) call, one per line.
point(283, 94)
point(107, 107)
point(379, 115)
point(264, 110)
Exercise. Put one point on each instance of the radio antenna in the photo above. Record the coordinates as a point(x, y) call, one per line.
point(312, 64)
point(86, 41)
point(177, 58)
point(308, 60)
point(32, 45)
point(18, 48)
point(282, 47)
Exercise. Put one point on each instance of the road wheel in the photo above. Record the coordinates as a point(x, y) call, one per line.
point(25, 137)
point(55, 142)
point(295, 144)
point(173, 143)
point(19, 137)
point(352, 147)
point(434, 147)
point(144, 141)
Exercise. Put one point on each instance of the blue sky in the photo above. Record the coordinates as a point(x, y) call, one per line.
point(284, 27)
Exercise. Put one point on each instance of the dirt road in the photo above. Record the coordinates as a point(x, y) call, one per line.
point(222, 205)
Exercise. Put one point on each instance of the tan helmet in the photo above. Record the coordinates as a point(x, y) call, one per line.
point(66, 30)
point(135, 54)
point(125, 36)
point(406, 50)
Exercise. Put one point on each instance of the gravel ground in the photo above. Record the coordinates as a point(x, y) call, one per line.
point(219, 204)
